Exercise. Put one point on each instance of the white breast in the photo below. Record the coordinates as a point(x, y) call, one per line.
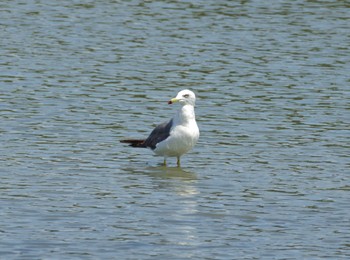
point(183, 135)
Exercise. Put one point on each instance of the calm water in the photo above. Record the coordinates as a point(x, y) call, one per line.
point(269, 178)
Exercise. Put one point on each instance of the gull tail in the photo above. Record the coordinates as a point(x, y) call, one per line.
point(134, 142)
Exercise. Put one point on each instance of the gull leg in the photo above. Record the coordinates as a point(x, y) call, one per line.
point(178, 161)
point(164, 163)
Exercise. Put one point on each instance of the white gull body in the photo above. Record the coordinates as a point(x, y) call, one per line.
point(184, 132)
point(177, 136)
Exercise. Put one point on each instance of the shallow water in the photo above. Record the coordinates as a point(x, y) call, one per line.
point(269, 177)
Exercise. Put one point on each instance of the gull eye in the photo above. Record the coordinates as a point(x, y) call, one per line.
point(186, 95)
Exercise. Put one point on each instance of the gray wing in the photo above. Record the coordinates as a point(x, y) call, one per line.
point(160, 133)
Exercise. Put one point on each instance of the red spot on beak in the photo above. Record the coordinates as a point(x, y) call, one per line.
point(170, 102)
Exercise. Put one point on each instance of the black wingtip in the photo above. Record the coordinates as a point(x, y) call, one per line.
point(134, 142)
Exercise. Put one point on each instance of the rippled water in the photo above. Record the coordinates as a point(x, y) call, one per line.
point(269, 178)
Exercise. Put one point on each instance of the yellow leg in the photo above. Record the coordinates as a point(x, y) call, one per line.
point(164, 163)
point(178, 161)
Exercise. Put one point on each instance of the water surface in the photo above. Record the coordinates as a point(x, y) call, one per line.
point(269, 177)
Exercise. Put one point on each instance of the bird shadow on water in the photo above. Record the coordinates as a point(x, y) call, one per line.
point(181, 181)
point(167, 172)
point(163, 172)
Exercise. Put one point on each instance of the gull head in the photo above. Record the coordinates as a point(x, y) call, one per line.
point(184, 97)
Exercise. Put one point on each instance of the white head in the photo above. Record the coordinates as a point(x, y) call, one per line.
point(184, 97)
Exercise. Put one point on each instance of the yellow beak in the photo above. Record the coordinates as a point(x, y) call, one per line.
point(173, 100)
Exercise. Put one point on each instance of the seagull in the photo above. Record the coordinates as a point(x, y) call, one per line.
point(177, 136)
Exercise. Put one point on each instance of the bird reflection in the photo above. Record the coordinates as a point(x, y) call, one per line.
point(173, 192)
point(170, 173)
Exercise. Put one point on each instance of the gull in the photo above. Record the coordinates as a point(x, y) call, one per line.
point(177, 136)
